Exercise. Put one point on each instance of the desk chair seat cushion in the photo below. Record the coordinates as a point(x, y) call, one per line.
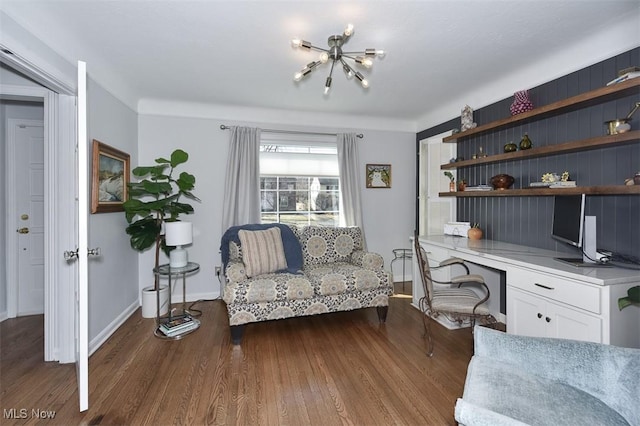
point(460, 300)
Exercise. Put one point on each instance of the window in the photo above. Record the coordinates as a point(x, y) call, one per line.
point(299, 183)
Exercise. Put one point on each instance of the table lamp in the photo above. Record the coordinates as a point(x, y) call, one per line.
point(178, 234)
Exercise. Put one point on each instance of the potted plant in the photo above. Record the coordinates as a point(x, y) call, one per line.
point(452, 184)
point(152, 201)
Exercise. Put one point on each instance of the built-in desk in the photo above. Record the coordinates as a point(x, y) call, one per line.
point(545, 297)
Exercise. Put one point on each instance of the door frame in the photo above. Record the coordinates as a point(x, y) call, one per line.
point(12, 257)
point(425, 178)
point(59, 151)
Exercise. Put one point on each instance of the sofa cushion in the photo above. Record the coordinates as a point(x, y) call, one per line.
point(529, 398)
point(262, 251)
point(340, 277)
point(329, 245)
point(268, 288)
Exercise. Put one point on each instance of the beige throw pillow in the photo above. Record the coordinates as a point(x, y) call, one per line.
point(262, 251)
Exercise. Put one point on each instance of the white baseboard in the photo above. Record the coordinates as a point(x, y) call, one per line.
point(102, 337)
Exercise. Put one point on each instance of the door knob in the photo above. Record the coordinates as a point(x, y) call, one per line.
point(22, 231)
point(94, 252)
point(70, 255)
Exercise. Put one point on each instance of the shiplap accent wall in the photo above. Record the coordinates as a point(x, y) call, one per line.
point(527, 220)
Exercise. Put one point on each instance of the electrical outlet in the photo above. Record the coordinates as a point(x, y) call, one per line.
point(218, 271)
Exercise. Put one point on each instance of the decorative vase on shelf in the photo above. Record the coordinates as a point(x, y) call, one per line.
point(526, 143)
point(521, 103)
point(510, 147)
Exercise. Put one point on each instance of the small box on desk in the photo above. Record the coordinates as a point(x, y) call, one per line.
point(458, 229)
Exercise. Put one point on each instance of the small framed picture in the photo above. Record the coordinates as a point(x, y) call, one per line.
point(378, 176)
point(109, 179)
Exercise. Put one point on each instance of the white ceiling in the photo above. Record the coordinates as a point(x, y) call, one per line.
point(238, 52)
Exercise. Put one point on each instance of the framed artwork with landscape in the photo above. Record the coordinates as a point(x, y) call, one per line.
point(110, 178)
point(378, 176)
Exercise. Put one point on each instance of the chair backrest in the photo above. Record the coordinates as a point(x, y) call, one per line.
point(423, 265)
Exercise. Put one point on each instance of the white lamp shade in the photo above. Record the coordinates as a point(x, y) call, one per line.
point(178, 233)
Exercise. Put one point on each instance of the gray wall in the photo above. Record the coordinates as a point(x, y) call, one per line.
point(387, 225)
point(113, 277)
point(527, 220)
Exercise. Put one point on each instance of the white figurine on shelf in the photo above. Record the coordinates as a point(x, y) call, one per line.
point(467, 118)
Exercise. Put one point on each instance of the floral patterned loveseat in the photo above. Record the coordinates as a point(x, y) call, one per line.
point(337, 275)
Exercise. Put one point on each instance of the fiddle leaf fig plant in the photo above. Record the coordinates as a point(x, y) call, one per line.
point(632, 298)
point(157, 199)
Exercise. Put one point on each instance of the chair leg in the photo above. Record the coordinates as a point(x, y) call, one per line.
point(426, 322)
point(382, 313)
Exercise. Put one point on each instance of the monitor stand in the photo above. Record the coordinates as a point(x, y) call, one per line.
point(591, 257)
point(578, 261)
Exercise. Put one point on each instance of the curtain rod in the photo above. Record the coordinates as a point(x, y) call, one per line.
point(294, 132)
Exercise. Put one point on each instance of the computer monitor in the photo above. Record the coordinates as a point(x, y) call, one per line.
point(568, 219)
point(570, 225)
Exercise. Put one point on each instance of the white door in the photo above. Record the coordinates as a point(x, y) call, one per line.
point(26, 151)
point(434, 210)
point(82, 299)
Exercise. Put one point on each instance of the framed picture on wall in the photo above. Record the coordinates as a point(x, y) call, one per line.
point(378, 176)
point(110, 178)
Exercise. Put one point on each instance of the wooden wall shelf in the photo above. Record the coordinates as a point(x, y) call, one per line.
point(529, 192)
point(583, 100)
point(573, 146)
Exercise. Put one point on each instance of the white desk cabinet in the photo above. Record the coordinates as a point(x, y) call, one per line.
point(548, 298)
point(532, 315)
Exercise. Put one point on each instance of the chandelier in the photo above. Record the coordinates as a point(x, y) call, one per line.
point(335, 54)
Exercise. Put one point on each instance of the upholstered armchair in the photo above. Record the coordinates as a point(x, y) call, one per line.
point(518, 380)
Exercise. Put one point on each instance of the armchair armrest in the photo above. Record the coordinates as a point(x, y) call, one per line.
point(235, 271)
point(367, 260)
point(452, 261)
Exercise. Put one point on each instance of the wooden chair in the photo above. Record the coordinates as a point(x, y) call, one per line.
point(454, 302)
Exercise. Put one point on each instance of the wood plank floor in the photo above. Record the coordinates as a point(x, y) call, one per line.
point(343, 368)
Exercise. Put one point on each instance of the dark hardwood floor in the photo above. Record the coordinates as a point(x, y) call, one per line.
point(341, 368)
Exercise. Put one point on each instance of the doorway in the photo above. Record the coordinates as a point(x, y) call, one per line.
point(23, 131)
point(58, 118)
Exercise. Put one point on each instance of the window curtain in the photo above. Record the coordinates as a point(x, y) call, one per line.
point(241, 203)
point(349, 169)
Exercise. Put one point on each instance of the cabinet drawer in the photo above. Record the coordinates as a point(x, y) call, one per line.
point(560, 289)
point(436, 254)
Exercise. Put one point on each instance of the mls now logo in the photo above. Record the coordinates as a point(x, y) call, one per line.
point(23, 413)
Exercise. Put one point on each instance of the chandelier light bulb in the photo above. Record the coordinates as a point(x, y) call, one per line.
point(347, 71)
point(365, 62)
point(349, 30)
point(327, 86)
point(298, 76)
point(296, 42)
point(365, 83)
point(324, 57)
point(380, 53)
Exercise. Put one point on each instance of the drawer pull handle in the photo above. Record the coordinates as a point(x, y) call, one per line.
point(547, 319)
point(539, 315)
point(543, 286)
